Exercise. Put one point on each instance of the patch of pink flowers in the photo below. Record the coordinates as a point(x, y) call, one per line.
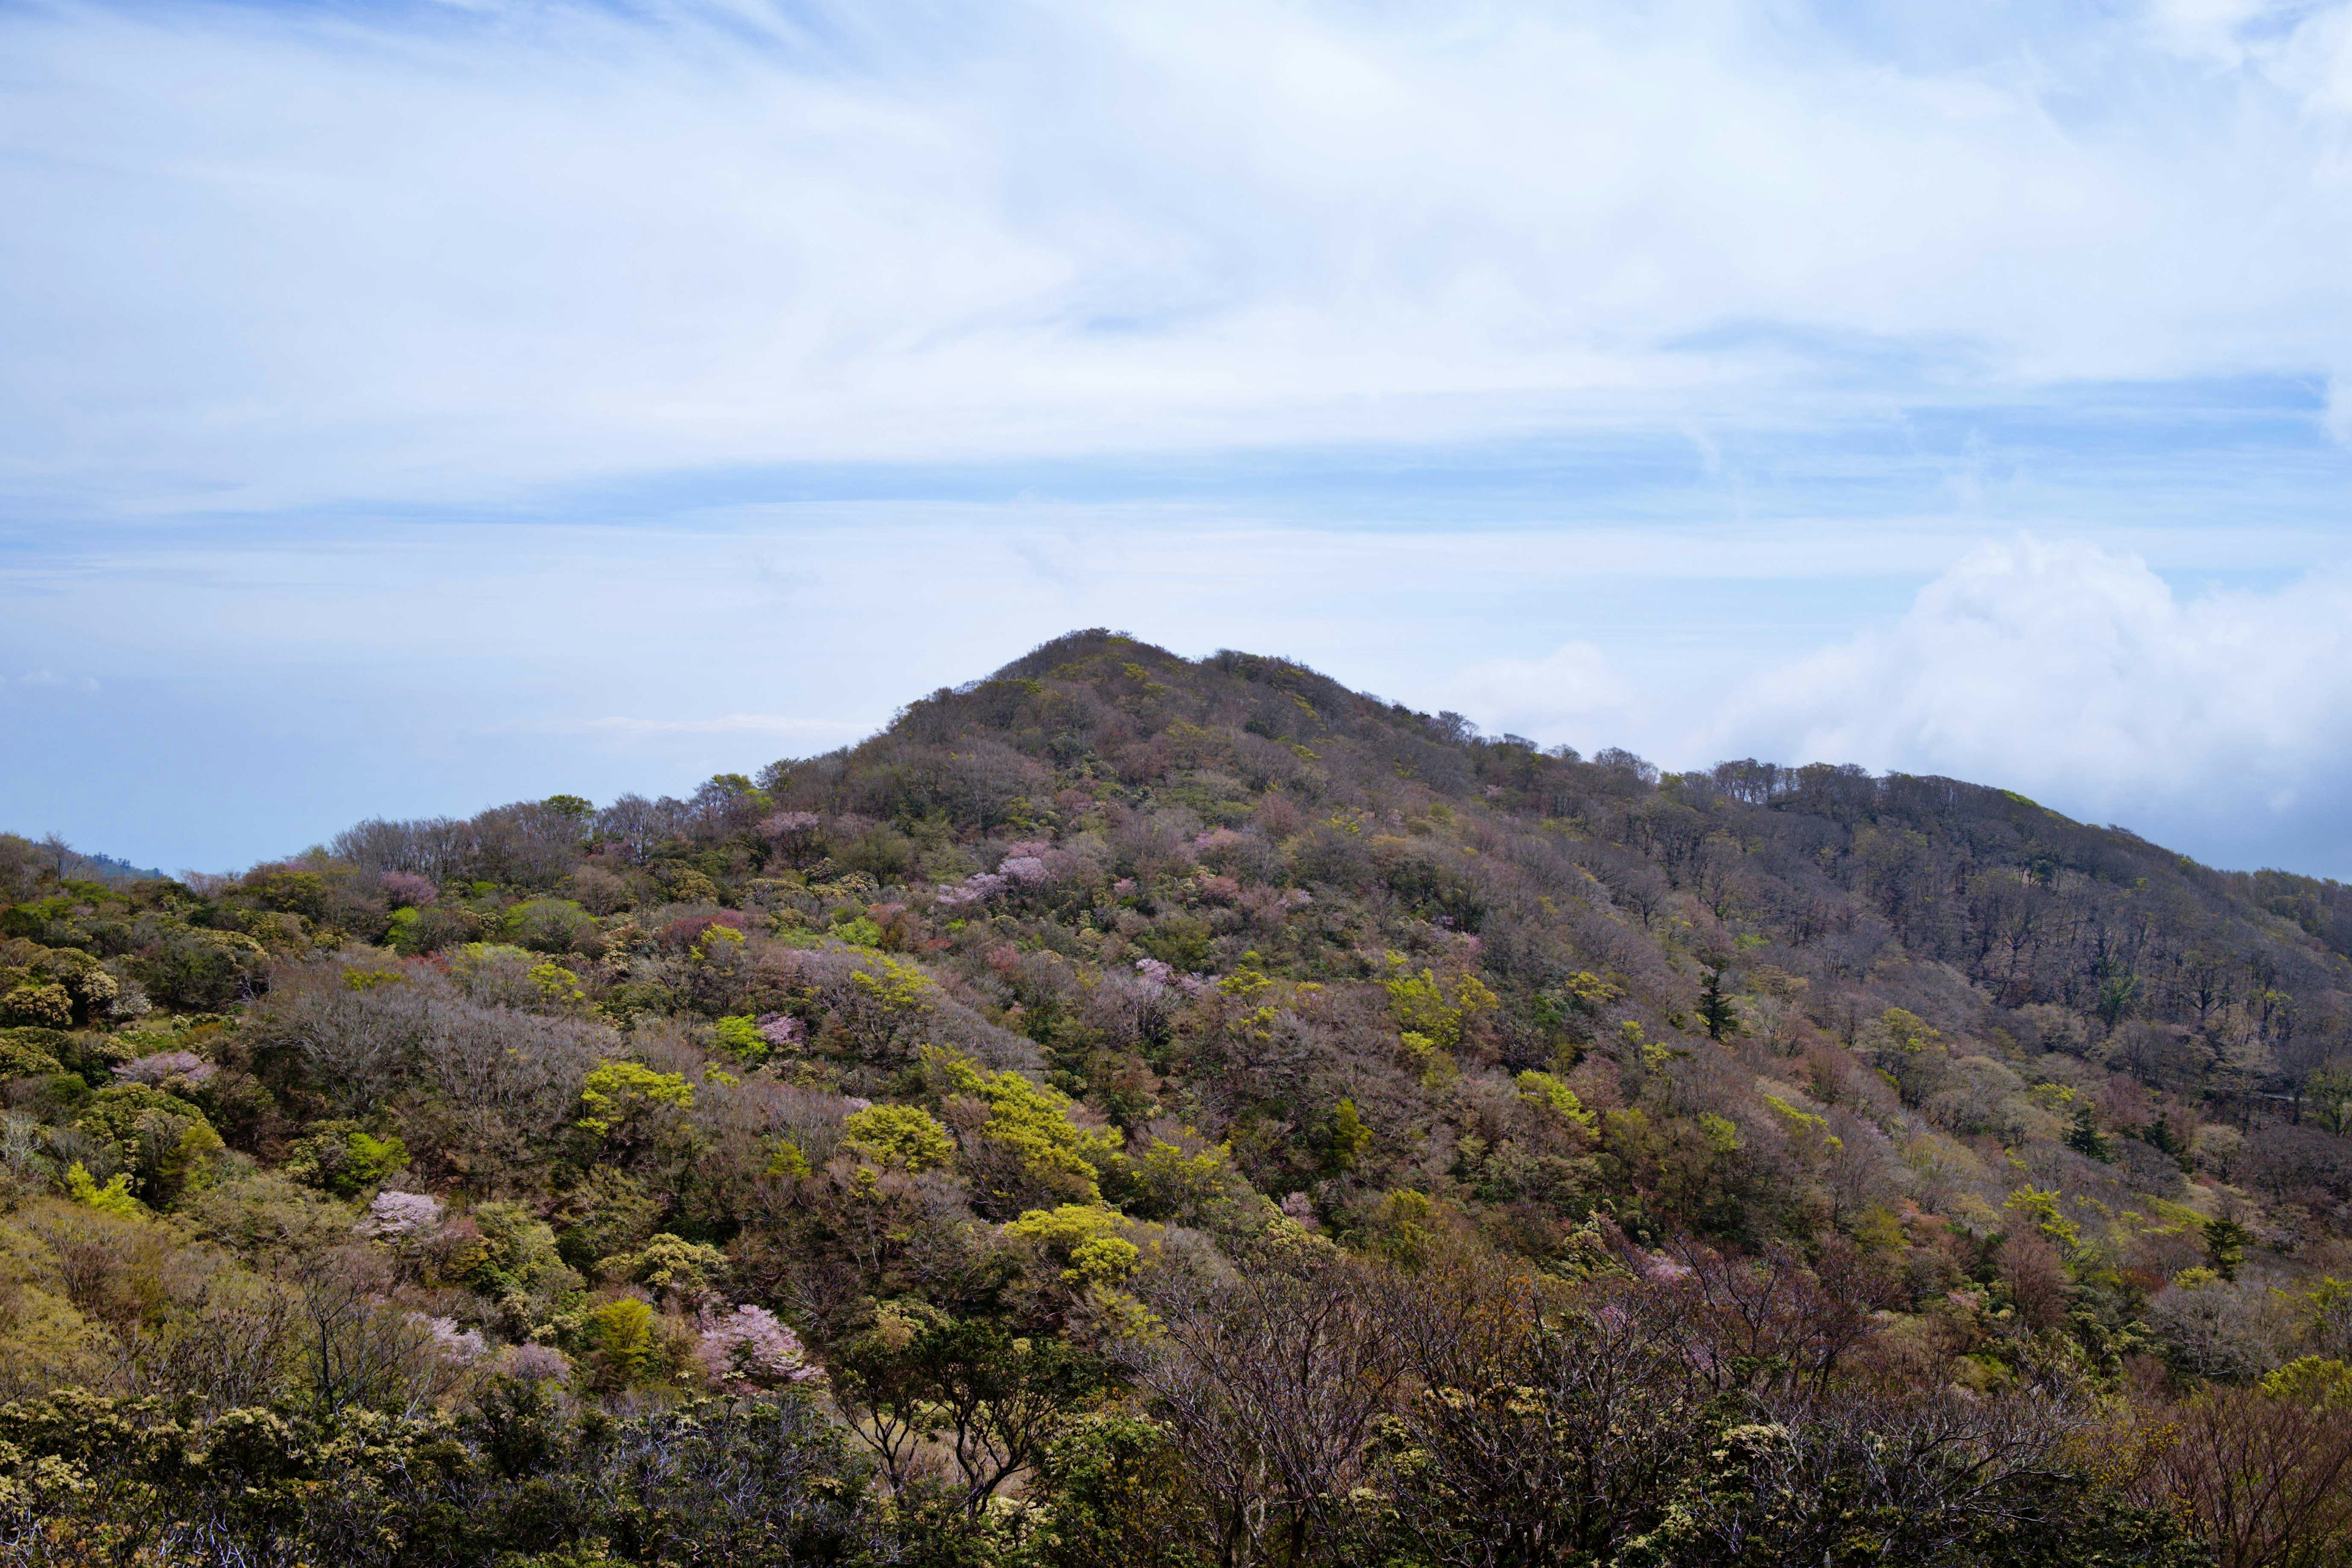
point(780, 1030)
point(407, 891)
point(401, 1214)
point(974, 889)
point(462, 1345)
point(747, 1348)
point(166, 1064)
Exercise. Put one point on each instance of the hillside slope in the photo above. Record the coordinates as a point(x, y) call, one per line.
point(1088, 991)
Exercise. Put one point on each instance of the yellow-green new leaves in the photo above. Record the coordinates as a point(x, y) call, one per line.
point(1423, 1006)
point(620, 1335)
point(2041, 1209)
point(1028, 1145)
point(618, 1093)
point(1906, 1032)
point(1089, 1241)
point(1170, 1184)
point(1349, 1136)
point(1432, 1022)
point(901, 1135)
point(112, 1199)
point(2315, 1382)
point(1548, 1091)
point(885, 1009)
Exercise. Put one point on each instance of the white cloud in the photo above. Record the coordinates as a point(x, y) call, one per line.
point(2206, 30)
point(261, 256)
point(1573, 690)
point(2221, 723)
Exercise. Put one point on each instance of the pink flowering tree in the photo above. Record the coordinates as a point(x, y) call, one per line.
point(748, 1349)
point(406, 890)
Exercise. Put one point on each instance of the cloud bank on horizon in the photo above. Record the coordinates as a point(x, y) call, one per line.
point(393, 389)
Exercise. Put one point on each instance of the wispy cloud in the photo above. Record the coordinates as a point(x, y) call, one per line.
point(271, 255)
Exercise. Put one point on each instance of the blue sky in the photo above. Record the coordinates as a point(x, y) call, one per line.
point(409, 407)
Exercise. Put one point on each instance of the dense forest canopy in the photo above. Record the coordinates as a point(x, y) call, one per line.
point(1139, 1110)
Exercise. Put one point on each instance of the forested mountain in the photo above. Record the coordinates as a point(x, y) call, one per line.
point(1136, 1110)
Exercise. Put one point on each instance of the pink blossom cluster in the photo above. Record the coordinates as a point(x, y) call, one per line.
point(784, 822)
point(167, 1064)
point(1157, 973)
point(1216, 839)
point(401, 1214)
point(1035, 860)
point(464, 1345)
point(408, 891)
point(975, 890)
point(1660, 1269)
point(780, 1030)
point(747, 1348)
point(536, 1363)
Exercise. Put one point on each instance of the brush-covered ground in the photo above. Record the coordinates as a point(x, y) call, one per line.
point(1136, 1111)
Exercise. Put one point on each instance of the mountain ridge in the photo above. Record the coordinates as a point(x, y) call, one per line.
point(1113, 1016)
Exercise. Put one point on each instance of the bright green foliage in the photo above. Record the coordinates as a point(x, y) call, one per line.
point(28, 1053)
point(1550, 1092)
point(1906, 1033)
point(2314, 1381)
point(2327, 1098)
point(557, 986)
point(891, 983)
point(549, 925)
point(621, 1096)
point(620, 1334)
point(1440, 1011)
point(1803, 1126)
point(739, 1035)
point(1912, 1053)
point(112, 1199)
point(343, 1158)
point(1089, 1241)
point(717, 941)
point(900, 1135)
point(1235, 847)
point(860, 933)
point(1117, 1495)
point(1404, 1228)
point(1349, 1137)
point(1722, 1132)
point(886, 1009)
